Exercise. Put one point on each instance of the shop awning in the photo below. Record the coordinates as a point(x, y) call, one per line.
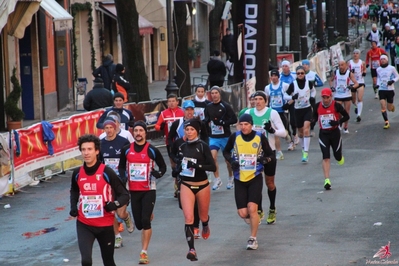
point(153, 10)
point(6, 8)
point(109, 9)
point(61, 18)
point(21, 17)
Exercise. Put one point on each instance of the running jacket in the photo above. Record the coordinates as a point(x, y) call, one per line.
point(127, 118)
point(374, 56)
point(385, 74)
point(216, 112)
point(168, 116)
point(110, 151)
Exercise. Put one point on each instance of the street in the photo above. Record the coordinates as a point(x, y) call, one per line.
point(344, 226)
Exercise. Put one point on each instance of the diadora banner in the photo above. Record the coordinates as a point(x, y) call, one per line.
point(249, 15)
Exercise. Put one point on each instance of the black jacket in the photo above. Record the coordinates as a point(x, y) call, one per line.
point(216, 69)
point(97, 98)
point(118, 78)
point(106, 71)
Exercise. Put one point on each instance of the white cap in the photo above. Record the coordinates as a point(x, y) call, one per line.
point(374, 25)
point(285, 63)
point(387, 25)
point(393, 28)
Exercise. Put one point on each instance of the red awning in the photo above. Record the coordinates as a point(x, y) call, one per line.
point(145, 26)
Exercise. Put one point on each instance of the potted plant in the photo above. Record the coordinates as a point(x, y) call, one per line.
point(13, 112)
point(198, 47)
point(191, 56)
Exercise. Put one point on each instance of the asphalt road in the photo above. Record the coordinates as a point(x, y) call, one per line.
point(314, 227)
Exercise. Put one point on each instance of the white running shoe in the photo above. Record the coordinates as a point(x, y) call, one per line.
point(296, 140)
point(279, 155)
point(252, 244)
point(376, 95)
point(218, 184)
point(345, 130)
point(230, 184)
point(291, 146)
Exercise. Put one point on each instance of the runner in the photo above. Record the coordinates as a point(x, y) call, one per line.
point(200, 102)
point(195, 160)
point(275, 96)
point(387, 75)
point(303, 92)
point(330, 115)
point(220, 116)
point(137, 163)
point(339, 83)
point(126, 117)
point(110, 151)
point(374, 35)
point(95, 184)
point(358, 68)
point(268, 122)
point(121, 131)
point(252, 105)
point(288, 77)
point(251, 151)
point(373, 55)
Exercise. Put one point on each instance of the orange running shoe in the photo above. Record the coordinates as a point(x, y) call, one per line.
point(121, 228)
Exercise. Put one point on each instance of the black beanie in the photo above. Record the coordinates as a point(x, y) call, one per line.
point(195, 123)
point(140, 124)
point(246, 118)
point(119, 68)
point(261, 94)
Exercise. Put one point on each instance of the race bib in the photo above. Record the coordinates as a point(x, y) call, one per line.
point(189, 172)
point(259, 128)
point(325, 120)
point(341, 89)
point(301, 102)
point(199, 111)
point(247, 162)
point(138, 171)
point(112, 163)
point(216, 130)
point(375, 64)
point(276, 101)
point(92, 206)
point(397, 60)
point(122, 126)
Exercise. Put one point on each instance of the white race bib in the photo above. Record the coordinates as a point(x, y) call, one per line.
point(199, 111)
point(138, 171)
point(92, 206)
point(325, 120)
point(189, 172)
point(247, 162)
point(216, 130)
point(112, 163)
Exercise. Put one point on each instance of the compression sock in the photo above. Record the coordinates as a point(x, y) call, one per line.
point(272, 198)
point(384, 115)
point(306, 143)
point(189, 229)
point(359, 108)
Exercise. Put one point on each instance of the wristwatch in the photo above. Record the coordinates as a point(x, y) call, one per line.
point(117, 203)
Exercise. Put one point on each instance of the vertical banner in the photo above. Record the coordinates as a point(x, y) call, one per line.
point(251, 19)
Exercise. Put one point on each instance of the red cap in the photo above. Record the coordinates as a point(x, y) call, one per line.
point(326, 92)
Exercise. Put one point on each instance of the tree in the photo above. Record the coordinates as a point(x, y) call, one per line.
point(215, 16)
point(181, 46)
point(131, 41)
point(294, 23)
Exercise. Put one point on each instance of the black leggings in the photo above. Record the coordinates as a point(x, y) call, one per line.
point(143, 203)
point(331, 138)
point(292, 119)
point(105, 237)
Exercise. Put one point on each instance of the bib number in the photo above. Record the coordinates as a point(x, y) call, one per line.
point(325, 120)
point(112, 163)
point(138, 171)
point(199, 111)
point(189, 172)
point(247, 162)
point(216, 130)
point(92, 206)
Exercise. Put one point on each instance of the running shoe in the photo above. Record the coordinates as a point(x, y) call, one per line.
point(358, 119)
point(376, 95)
point(345, 130)
point(279, 155)
point(305, 157)
point(230, 184)
point(129, 223)
point(291, 146)
point(342, 161)
point(121, 228)
point(271, 219)
point(386, 126)
point(197, 233)
point(144, 258)
point(118, 242)
point(261, 216)
point(192, 255)
point(296, 140)
point(355, 109)
point(206, 232)
point(176, 190)
point(218, 184)
point(287, 137)
point(393, 108)
point(327, 184)
point(247, 220)
point(252, 244)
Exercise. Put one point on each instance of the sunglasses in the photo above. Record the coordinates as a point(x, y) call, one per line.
point(300, 73)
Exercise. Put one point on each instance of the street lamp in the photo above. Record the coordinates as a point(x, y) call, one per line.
point(171, 87)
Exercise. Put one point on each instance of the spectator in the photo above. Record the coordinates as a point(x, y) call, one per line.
point(98, 97)
point(106, 71)
point(230, 70)
point(216, 70)
point(228, 45)
point(119, 83)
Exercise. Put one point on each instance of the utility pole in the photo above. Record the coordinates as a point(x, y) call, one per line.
point(319, 18)
point(330, 17)
point(303, 31)
point(273, 32)
point(283, 19)
point(311, 15)
point(171, 87)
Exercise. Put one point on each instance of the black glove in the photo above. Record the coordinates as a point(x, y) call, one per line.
point(334, 123)
point(375, 87)
point(176, 171)
point(350, 87)
point(332, 89)
point(312, 101)
point(295, 96)
point(162, 127)
point(156, 174)
point(390, 82)
point(353, 70)
point(264, 160)
point(235, 165)
point(73, 213)
point(268, 127)
point(219, 122)
point(367, 66)
point(110, 206)
point(191, 164)
point(286, 106)
point(364, 74)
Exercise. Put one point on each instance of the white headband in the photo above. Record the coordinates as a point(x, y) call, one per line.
point(384, 57)
point(285, 63)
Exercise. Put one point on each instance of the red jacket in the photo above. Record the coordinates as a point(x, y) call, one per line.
point(168, 116)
